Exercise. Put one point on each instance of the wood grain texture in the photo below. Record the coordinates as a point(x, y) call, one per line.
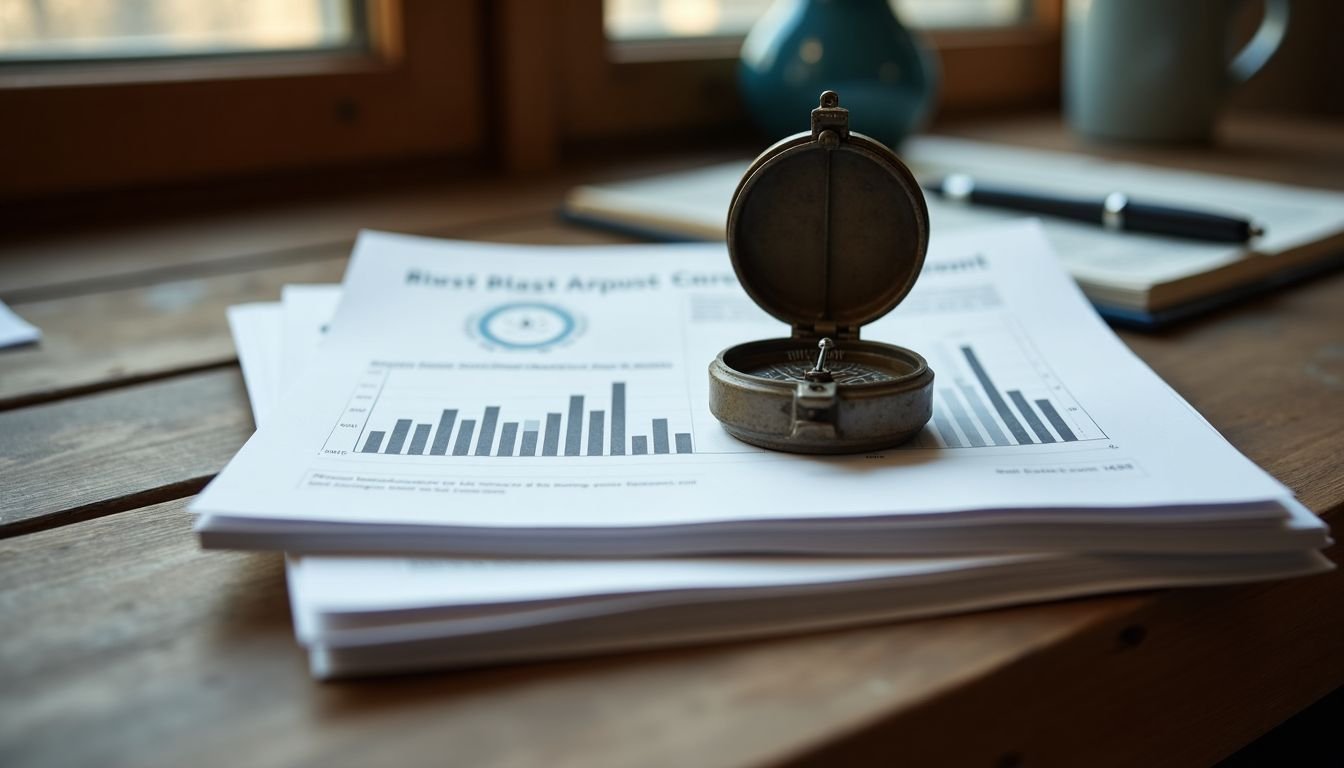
point(90, 456)
point(113, 338)
point(109, 338)
point(1184, 680)
point(142, 253)
point(525, 48)
point(158, 248)
point(61, 265)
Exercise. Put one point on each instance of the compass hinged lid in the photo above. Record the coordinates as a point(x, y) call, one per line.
point(827, 229)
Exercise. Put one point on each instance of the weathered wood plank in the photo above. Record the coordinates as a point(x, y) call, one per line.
point(65, 264)
point(156, 653)
point(91, 456)
point(111, 338)
point(1186, 679)
point(89, 261)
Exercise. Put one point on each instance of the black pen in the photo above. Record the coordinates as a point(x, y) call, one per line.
point(1115, 211)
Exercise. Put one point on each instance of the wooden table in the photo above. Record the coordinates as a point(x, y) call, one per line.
point(124, 644)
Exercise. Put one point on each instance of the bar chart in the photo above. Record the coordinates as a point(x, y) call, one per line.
point(574, 426)
point(992, 392)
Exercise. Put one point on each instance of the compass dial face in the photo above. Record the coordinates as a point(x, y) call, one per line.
point(842, 372)
point(526, 325)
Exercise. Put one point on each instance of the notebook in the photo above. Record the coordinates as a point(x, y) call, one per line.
point(1133, 279)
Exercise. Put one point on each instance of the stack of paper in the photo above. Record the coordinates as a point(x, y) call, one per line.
point(484, 407)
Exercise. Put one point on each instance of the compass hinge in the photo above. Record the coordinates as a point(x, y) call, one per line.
point(821, 330)
point(830, 118)
point(815, 411)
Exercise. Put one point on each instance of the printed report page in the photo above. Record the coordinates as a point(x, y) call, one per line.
point(484, 385)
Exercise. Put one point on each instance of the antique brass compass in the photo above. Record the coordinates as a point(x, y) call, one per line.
point(827, 231)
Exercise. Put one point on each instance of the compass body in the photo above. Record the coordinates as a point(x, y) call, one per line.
point(827, 231)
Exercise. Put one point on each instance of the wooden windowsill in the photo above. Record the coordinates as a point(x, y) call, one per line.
point(296, 64)
point(726, 48)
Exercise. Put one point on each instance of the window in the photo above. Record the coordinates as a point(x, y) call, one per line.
point(111, 93)
point(634, 20)
point(62, 30)
point(624, 68)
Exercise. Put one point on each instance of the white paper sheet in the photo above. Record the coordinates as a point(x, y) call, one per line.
point(428, 326)
point(256, 330)
point(14, 330)
point(307, 314)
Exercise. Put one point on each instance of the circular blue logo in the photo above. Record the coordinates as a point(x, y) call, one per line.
point(526, 325)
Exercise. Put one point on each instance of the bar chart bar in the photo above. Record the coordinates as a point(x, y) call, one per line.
point(463, 443)
point(508, 435)
point(372, 442)
point(639, 445)
point(551, 442)
point(419, 439)
point(683, 442)
point(945, 429)
point(529, 446)
point(595, 419)
point(1029, 414)
point(660, 436)
point(982, 414)
point(574, 425)
point(618, 418)
point(962, 418)
point(996, 399)
point(1056, 421)
point(399, 431)
point(444, 431)
point(487, 437)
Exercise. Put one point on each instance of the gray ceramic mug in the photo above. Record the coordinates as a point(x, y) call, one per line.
point(1158, 70)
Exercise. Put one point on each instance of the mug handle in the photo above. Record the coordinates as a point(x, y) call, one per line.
point(1263, 44)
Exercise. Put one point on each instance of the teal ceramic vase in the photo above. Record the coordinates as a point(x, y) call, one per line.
point(857, 48)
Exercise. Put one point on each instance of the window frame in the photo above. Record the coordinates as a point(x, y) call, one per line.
point(77, 126)
point(519, 81)
point(586, 89)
